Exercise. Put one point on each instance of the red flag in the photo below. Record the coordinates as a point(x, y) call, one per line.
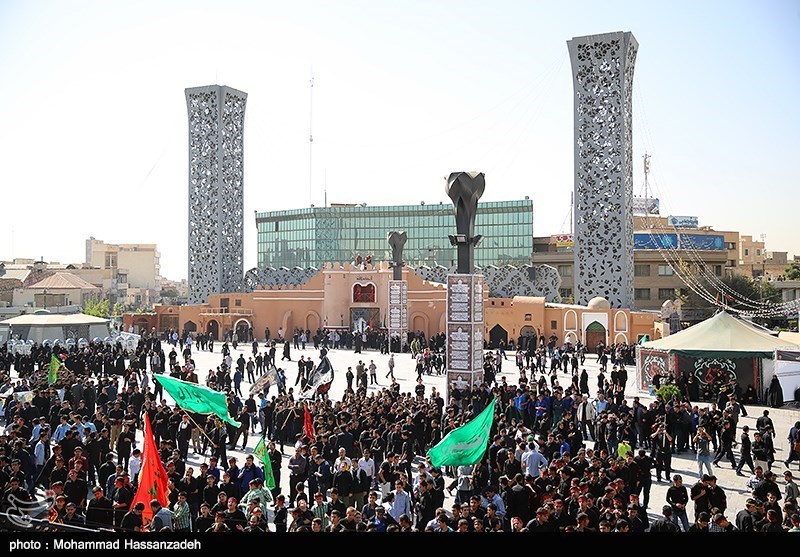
point(152, 476)
point(308, 424)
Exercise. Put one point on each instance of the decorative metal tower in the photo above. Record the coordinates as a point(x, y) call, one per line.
point(602, 71)
point(216, 200)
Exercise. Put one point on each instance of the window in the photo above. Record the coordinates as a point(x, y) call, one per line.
point(758, 252)
point(665, 293)
point(730, 245)
point(528, 317)
point(565, 270)
point(237, 303)
point(363, 293)
point(731, 263)
point(665, 271)
point(718, 270)
point(641, 293)
point(565, 292)
point(554, 324)
point(641, 270)
point(746, 251)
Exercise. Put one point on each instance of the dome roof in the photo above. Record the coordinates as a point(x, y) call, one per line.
point(598, 303)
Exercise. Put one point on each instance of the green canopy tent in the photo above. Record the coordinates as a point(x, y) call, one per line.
point(722, 347)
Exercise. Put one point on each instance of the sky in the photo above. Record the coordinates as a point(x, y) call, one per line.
point(93, 123)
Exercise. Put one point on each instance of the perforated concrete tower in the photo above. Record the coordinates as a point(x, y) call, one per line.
point(602, 72)
point(216, 200)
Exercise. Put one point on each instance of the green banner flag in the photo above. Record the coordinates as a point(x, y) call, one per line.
point(52, 373)
point(196, 398)
point(261, 454)
point(465, 445)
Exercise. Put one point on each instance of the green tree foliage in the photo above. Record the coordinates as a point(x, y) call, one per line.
point(793, 271)
point(96, 307)
point(667, 391)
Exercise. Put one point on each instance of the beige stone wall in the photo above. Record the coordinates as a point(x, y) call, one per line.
point(327, 300)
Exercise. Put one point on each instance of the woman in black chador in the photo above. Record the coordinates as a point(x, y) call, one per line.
point(775, 393)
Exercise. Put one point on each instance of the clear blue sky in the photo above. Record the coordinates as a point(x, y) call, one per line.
point(93, 138)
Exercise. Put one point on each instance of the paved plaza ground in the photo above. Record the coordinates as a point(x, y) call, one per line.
point(405, 374)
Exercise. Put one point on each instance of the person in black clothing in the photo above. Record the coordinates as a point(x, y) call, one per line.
point(664, 524)
point(701, 525)
point(746, 456)
point(662, 447)
point(645, 482)
point(204, 520)
point(121, 499)
point(678, 497)
point(132, 521)
point(726, 444)
point(99, 512)
point(124, 445)
point(281, 514)
point(699, 495)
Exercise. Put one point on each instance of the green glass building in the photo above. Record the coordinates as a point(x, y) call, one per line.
point(318, 235)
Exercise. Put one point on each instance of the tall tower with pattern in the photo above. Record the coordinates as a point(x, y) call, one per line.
point(602, 73)
point(216, 200)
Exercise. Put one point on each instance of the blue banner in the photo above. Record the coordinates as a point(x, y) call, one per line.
point(702, 241)
point(655, 241)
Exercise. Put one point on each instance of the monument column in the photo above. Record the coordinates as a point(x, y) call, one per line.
point(398, 294)
point(464, 288)
point(216, 186)
point(602, 75)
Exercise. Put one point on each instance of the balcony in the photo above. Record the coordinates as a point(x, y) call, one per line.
point(226, 311)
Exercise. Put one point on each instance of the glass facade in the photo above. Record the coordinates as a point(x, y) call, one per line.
point(312, 237)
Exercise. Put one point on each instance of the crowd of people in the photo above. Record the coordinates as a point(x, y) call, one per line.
point(570, 457)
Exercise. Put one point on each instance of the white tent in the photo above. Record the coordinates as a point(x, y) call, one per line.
point(39, 327)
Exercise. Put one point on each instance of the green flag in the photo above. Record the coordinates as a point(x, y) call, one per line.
point(466, 444)
point(196, 398)
point(55, 364)
point(261, 454)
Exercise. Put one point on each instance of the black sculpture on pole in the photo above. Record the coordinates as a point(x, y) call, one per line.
point(465, 189)
point(397, 240)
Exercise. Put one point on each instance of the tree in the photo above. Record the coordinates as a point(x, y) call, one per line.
point(96, 307)
point(793, 271)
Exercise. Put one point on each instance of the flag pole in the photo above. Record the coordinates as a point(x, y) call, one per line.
point(203, 431)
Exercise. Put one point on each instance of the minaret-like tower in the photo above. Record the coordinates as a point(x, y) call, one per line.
point(216, 188)
point(602, 73)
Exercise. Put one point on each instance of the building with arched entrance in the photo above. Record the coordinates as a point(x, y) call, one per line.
point(356, 297)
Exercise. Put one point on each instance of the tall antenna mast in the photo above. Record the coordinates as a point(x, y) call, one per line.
point(646, 172)
point(326, 188)
point(310, 132)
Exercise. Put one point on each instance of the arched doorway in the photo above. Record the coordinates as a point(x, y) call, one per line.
point(419, 323)
point(213, 329)
point(496, 334)
point(526, 334)
point(595, 334)
point(190, 327)
point(312, 321)
point(243, 330)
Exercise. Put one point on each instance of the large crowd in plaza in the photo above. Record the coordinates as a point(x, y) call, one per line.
point(572, 457)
